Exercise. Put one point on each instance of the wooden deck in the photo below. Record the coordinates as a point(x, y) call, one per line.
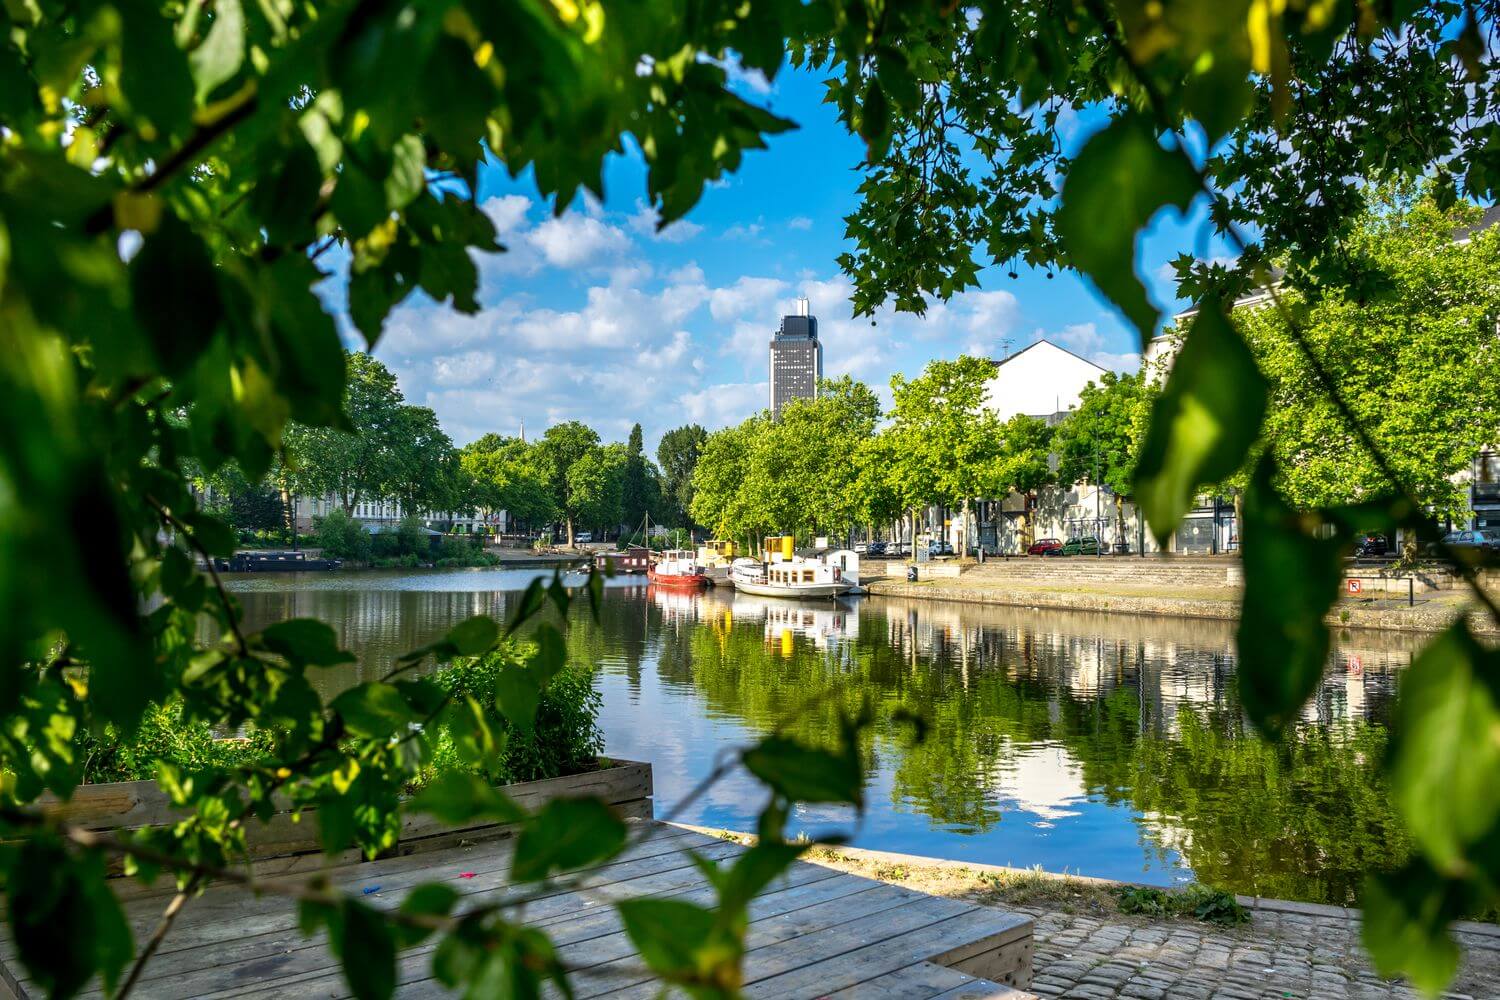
point(814, 933)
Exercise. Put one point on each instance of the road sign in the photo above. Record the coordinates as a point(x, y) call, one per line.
point(1355, 586)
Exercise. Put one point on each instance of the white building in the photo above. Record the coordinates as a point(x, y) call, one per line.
point(1047, 382)
point(1042, 380)
point(308, 510)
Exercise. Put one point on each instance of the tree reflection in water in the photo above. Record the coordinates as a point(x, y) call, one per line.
point(1106, 744)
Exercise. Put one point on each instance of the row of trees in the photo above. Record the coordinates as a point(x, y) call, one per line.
point(392, 450)
point(828, 463)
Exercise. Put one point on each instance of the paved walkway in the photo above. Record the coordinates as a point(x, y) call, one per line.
point(1276, 956)
point(1086, 948)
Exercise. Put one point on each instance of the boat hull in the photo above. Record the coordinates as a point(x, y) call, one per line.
point(810, 591)
point(678, 581)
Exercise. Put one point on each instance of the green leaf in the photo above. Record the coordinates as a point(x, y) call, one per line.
point(757, 868)
point(1293, 564)
point(306, 641)
point(517, 694)
point(532, 599)
point(1405, 925)
point(222, 52)
point(670, 934)
point(1204, 422)
point(471, 637)
point(806, 774)
point(375, 710)
point(175, 291)
point(460, 797)
point(431, 899)
point(551, 654)
point(154, 74)
point(367, 950)
point(474, 636)
point(284, 202)
point(1445, 755)
point(213, 534)
point(66, 923)
point(408, 176)
point(1116, 183)
point(566, 834)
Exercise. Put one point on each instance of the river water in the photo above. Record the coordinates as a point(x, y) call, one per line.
point(1107, 745)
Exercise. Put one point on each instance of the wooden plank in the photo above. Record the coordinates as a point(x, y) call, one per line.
point(920, 982)
point(131, 804)
point(801, 886)
point(580, 927)
point(883, 947)
point(766, 935)
point(284, 955)
point(226, 925)
point(982, 989)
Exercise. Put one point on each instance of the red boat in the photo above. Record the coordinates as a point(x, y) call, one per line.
point(678, 569)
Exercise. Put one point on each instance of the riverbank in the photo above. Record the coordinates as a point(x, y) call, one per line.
point(1087, 948)
point(1432, 611)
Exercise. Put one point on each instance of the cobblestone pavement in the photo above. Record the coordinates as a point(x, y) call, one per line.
point(1277, 956)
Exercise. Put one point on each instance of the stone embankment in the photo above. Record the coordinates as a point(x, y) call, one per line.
point(1184, 587)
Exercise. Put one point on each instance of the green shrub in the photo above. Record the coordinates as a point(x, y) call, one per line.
point(163, 736)
point(1212, 905)
point(565, 739)
point(342, 537)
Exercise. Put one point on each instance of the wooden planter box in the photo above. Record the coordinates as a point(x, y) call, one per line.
point(626, 785)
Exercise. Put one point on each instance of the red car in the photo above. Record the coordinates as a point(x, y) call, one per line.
point(1044, 546)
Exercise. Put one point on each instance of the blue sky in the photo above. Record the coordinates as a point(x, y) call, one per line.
point(594, 316)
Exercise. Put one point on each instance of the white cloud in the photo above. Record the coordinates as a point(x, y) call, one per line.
point(507, 212)
point(572, 240)
point(746, 232)
point(801, 222)
point(747, 295)
point(646, 217)
point(723, 405)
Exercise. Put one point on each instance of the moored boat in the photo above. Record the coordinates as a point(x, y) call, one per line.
point(680, 569)
point(635, 559)
point(796, 577)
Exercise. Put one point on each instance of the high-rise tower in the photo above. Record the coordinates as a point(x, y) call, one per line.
point(796, 359)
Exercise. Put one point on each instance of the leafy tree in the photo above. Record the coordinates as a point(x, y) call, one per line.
point(365, 462)
point(720, 499)
point(677, 454)
point(425, 476)
point(596, 486)
point(1099, 441)
point(877, 486)
point(507, 474)
point(948, 440)
point(639, 490)
point(560, 449)
point(1412, 347)
point(237, 143)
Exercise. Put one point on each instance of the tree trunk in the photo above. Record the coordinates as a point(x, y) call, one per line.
point(1119, 518)
point(568, 521)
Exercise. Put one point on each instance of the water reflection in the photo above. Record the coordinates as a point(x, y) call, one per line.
point(1099, 743)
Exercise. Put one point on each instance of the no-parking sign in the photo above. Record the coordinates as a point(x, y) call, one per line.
point(1355, 586)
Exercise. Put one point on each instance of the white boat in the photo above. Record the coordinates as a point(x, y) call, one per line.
point(797, 577)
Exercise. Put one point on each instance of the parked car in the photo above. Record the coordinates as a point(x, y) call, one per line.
point(1372, 545)
point(1044, 546)
point(1470, 540)
point(938, 547)
point(875, 549)
point(583, 536)
point(1082, 545)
